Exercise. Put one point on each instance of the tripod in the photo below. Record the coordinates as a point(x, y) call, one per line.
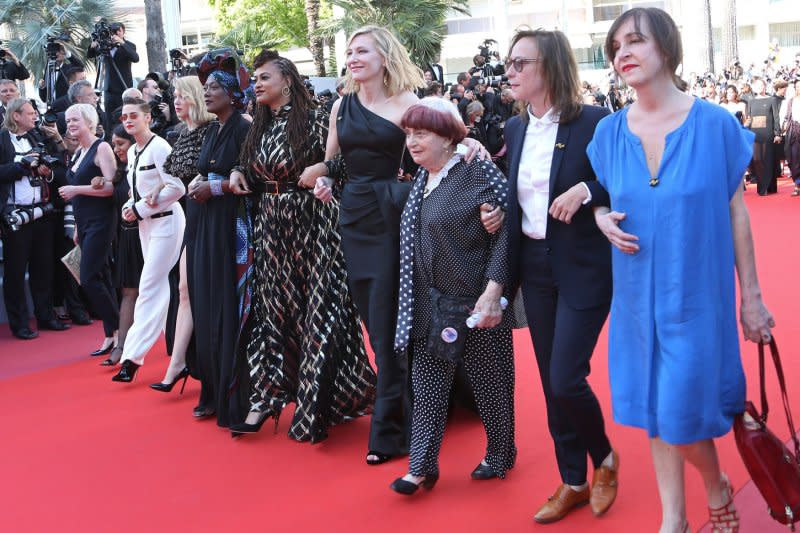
point(101, 83)
point(51, 73)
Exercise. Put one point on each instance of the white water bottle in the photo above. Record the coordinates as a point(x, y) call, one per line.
point(474, 318)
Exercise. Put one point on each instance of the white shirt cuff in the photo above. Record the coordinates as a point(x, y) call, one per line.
point(588, 194)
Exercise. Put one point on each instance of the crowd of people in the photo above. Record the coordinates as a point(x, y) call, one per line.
point(260, 227)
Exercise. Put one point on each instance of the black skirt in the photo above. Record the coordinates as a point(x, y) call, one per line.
point(129, 258)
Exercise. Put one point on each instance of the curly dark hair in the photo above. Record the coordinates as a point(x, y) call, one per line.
point(298, 119)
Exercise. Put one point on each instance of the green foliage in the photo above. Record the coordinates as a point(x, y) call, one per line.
point(284, 20)
point(418, 24)
point(250, 37)
point(30, 22)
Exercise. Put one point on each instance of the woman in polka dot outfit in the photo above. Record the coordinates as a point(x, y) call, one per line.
point(445, 246)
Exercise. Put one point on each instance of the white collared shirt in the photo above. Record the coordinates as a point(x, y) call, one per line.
point(24, 192)
point(533, 177)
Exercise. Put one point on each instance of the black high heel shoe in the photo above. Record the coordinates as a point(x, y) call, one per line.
point(103, 351)
point(127, 373)
point(167, 387)
point(111, 361)
point(407, 488)
point(483, 472)
point(243, 427)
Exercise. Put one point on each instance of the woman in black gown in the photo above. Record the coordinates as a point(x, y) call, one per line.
point(364, 125)
point(94, 213)
point(128, 256)
point(303, 340)
point(212, 285)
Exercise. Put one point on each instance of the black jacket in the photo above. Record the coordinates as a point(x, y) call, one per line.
point(11, 71)
point(581, 254)
point(62, 85)
point(123, 57)
point(11, 171)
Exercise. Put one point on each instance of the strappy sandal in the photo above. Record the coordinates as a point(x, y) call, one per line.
point(379, 458)
point(724, 519)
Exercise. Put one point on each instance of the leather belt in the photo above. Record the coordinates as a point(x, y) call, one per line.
point(280, 187)
point(162, 214)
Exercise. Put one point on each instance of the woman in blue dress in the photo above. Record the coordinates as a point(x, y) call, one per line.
point(673, 168)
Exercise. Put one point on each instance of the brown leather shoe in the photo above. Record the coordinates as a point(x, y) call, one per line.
point(604, 486)
point(561, 503)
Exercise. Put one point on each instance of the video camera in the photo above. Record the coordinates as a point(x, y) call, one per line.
point(54, 45)
point(103, 35)
point(2, 52)
point(180, 63)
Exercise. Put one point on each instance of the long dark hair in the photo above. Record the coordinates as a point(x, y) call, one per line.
point(560, 71)
point(122, 170)
point(297, 123)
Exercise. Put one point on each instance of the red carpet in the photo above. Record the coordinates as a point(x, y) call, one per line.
point(80, 453)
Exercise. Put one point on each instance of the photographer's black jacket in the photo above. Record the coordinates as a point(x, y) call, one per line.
point(11, 71)
point(11, 171)
point(123, 57)
point(62, 85)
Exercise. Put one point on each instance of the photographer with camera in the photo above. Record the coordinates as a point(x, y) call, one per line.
point(156, 92)
point(10, 66)
point(115, 56)
point(26, 161)
point(60, 64)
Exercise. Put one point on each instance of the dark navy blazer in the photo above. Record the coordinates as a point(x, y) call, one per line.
point(581, 254)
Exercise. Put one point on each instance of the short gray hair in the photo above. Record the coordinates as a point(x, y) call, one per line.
point(75, 89)
point(88, 112)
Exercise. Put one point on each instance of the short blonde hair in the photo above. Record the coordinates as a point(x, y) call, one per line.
point(88, 112)
point(192, 90)
point(14, 106)
point(401, 74)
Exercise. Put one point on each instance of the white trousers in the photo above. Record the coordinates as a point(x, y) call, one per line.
point(161, 240)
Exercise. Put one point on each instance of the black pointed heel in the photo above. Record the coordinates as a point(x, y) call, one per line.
point(243, 428)
point(127, 373)
point(407, 488)
point(167, 387)
point(103, 351)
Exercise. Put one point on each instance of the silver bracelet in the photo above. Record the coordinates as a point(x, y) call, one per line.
point(216, 187)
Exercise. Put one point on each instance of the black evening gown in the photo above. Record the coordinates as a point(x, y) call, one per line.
point(371, 203)
point(212, 284)
point(305, 344)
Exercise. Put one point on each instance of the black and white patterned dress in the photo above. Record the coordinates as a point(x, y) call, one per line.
point(444, 245)
point(305, 342)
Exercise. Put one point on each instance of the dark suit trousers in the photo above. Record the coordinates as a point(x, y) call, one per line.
point(30, 248)
point(564, 339)
point(95, 241)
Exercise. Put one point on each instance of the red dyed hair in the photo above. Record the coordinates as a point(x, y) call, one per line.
point(438, 116)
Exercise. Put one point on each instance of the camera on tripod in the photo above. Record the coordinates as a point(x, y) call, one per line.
point(103, 35)
point(490, 75)
point(55, 45)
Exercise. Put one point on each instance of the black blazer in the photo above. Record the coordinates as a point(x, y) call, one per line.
point(123, 57)
point(11, 171)
point(581, 254)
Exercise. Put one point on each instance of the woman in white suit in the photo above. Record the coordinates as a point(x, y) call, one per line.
point(154, 203)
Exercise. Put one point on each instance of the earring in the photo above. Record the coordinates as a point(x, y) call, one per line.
point(386, 79)
point(286, 91)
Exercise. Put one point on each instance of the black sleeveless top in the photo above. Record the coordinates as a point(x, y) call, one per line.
point(88, 207)
point(371, 145)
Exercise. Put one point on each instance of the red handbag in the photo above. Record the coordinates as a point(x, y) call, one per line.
point(775, 470)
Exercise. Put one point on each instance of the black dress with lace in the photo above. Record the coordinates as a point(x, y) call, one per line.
point(305, 342)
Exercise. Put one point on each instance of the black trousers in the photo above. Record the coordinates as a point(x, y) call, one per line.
point(29, 249)
point(564, 339)
point(765, 167)
point(95, 241)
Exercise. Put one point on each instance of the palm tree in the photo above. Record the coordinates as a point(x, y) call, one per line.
point(251, 37)
point(708, 37)
point(31, 22)
point(156, 39)
point(730, 35)
point(418, 24)
point(315, 42)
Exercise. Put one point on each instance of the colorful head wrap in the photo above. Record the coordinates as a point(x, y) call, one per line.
point(226, 68)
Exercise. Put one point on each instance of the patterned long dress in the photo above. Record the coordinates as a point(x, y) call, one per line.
point(305, 342)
